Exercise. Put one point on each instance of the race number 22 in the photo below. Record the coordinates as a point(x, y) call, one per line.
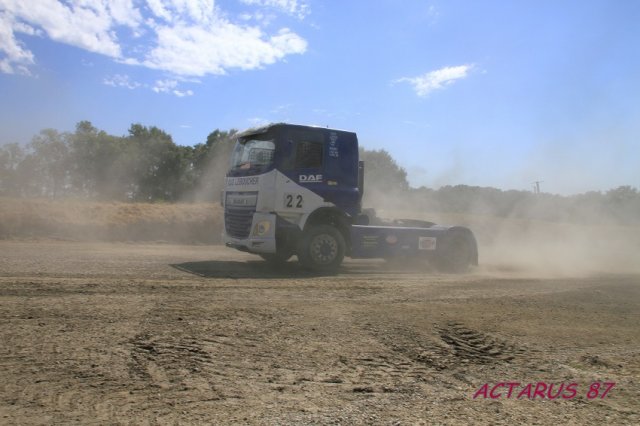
point(293, 201)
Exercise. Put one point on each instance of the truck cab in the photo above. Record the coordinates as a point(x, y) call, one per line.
point(297, 190)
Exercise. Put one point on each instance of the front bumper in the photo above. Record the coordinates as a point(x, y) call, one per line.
point(255, 243)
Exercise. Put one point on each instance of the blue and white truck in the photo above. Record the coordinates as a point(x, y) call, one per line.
point(297, 190)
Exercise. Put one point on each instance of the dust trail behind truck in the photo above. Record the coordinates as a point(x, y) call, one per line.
point(297, 190)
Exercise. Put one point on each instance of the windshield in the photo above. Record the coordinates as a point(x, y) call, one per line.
point(253, 152)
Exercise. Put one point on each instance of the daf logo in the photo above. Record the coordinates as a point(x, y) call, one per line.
point(310, 178)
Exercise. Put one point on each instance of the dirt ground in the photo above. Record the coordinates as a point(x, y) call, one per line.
point(155, 334)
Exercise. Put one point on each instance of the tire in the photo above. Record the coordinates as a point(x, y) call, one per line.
point(321, 248)
point(458, 256)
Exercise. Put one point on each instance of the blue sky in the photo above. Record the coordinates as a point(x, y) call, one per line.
point(460, 92)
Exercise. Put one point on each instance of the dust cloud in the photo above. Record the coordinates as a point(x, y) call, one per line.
point(538, 239)
point(513, 245)
point(214, 166)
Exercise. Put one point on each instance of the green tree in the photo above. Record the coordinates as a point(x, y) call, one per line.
point(159, 164)
point(382, 173)
point(100, 165)
point(48, 160)
point(624, 204)
point(11, 157)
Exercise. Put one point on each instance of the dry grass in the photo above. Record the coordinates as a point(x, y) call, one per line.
point(110, 221)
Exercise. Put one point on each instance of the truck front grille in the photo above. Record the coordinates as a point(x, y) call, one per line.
point(237, 221)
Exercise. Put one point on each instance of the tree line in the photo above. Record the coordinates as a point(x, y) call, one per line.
point(146, 165)
point(618, 206)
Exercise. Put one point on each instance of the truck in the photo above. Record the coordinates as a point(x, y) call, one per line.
point(295, 190)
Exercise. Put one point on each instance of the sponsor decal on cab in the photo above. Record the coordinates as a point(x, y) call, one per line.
point(251, 180)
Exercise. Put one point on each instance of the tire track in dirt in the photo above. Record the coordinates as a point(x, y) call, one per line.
point(151, 356)
point(189, 354)
point(476, 346)
point(446, 347)
point(50, 342)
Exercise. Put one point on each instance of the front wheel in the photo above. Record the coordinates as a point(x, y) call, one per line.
point(321, 248)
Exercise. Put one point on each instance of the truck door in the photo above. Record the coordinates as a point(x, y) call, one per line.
point(341, 170)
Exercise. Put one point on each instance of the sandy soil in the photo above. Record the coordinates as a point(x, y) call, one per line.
point(158, 333)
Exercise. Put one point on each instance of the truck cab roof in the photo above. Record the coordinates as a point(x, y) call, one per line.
point(264, 129)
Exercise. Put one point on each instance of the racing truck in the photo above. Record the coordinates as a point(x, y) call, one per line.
point(297, 190)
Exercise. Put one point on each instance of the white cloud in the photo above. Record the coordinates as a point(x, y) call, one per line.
point(185, 37)
point(263, 19)
point(87, 24)
point(438, 79)
point(296, 8)
point(197, 51)
point(181, 94)
point(433, 15)
point(119, 80)
point(198, 11)
point(164, 86)
point(158, 9)
point(15, 58)
point(170, 86)
point(258, 121)
point(123, 12)
point(282, 109)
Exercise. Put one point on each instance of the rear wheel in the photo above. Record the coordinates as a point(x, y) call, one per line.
point(321, 248)
point(458, 256)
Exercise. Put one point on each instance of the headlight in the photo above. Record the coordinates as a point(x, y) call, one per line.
point(262, 228)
